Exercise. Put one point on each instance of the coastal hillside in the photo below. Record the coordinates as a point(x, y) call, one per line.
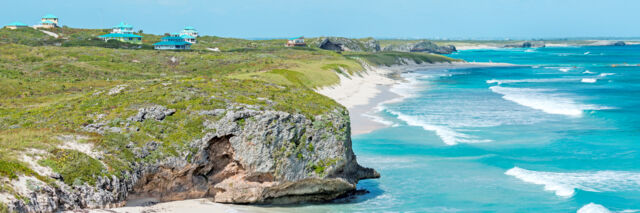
point(94, 124)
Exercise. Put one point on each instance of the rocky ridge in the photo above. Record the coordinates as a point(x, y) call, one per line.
point(247, 156)
point(421, 46)
point(346, 44)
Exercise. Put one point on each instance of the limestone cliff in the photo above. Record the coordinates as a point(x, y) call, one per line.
point(421, 46)
point(346, 44)
point(247, 156)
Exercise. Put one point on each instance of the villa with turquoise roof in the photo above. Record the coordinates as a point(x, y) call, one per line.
point(173, 42)
point(189, 34)
point(122, 32)
point(47, 21)
point(122, 28)
point(15, 25)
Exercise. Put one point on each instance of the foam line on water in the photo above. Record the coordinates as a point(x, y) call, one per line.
point(543, 99)
point(538, 80)
point(565, 184)
point(448, 135)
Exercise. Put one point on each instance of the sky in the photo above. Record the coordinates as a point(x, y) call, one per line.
point(435, 19)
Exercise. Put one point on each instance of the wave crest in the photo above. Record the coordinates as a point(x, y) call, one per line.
point(564, 184)
point(541, 99)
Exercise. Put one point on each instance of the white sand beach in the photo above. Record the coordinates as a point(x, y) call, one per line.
point(362, 92)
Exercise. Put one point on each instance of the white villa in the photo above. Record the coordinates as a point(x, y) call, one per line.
point(189, 34)
point(48, 21)
point(122, 32)
point(296, 42)
point(122, 28)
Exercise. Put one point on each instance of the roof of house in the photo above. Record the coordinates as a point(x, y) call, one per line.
point(301, 37)
point(119, 35)
point(49, 16)
point(17, 24)
point(189, 28)
point(123, 25)
point(171, 43)
point(48, 22)
point(185, 36)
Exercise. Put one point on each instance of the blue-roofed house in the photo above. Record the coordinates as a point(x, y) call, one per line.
point(122, 32)
point(48, 21)
point(122, 28)
point(296, 42)
point(173, 42)
point(189, 34)
point(15, 25)
point(188, 38)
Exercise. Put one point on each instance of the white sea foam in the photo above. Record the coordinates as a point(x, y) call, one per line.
point(593, 208)
point(534, 80)
point(565, 184)
point(448, 135)
point(543, 99)
point(588, 72)
point(564, 69)
point(606, 74)
point(378, 119)
point(589, 80)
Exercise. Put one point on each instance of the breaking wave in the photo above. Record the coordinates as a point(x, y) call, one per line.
point(565, 184)
point(542, 99)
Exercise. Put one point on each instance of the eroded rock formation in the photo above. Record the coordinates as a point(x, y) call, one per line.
point(421, 46)
point(247, 156)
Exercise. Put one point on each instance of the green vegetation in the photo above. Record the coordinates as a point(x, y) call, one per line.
point(26, 36)
point(3, 208)
point(391, 58)
point(52, 88)
point(76, 167)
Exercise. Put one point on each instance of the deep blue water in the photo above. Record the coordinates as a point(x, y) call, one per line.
point(553, 135)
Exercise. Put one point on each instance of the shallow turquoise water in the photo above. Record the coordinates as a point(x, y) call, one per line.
point(553, 135)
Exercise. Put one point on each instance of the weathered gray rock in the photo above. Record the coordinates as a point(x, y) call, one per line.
point(345, 44)
point(101, 128)
point(246, 156)
point(619, 43)
point(156, 112)
point(264, 157)
point(421, 46)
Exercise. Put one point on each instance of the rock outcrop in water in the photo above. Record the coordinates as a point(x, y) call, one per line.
point(619, 43)
point(421, 46)
point(247, 156)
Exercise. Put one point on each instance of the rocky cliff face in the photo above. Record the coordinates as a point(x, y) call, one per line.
point(422, 46)
point(247, 156)
point(346, 44)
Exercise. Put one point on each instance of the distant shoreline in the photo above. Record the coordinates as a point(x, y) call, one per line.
point(475, 45)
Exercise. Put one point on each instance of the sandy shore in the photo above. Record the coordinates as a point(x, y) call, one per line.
point(186, 206)
point(362, 93)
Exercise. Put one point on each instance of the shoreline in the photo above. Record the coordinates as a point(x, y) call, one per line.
point(481, 46)
point(362, 93)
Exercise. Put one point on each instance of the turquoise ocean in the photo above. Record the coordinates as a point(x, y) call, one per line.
point(559, 133)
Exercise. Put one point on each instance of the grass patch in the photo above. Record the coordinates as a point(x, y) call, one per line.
point(75, 167)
